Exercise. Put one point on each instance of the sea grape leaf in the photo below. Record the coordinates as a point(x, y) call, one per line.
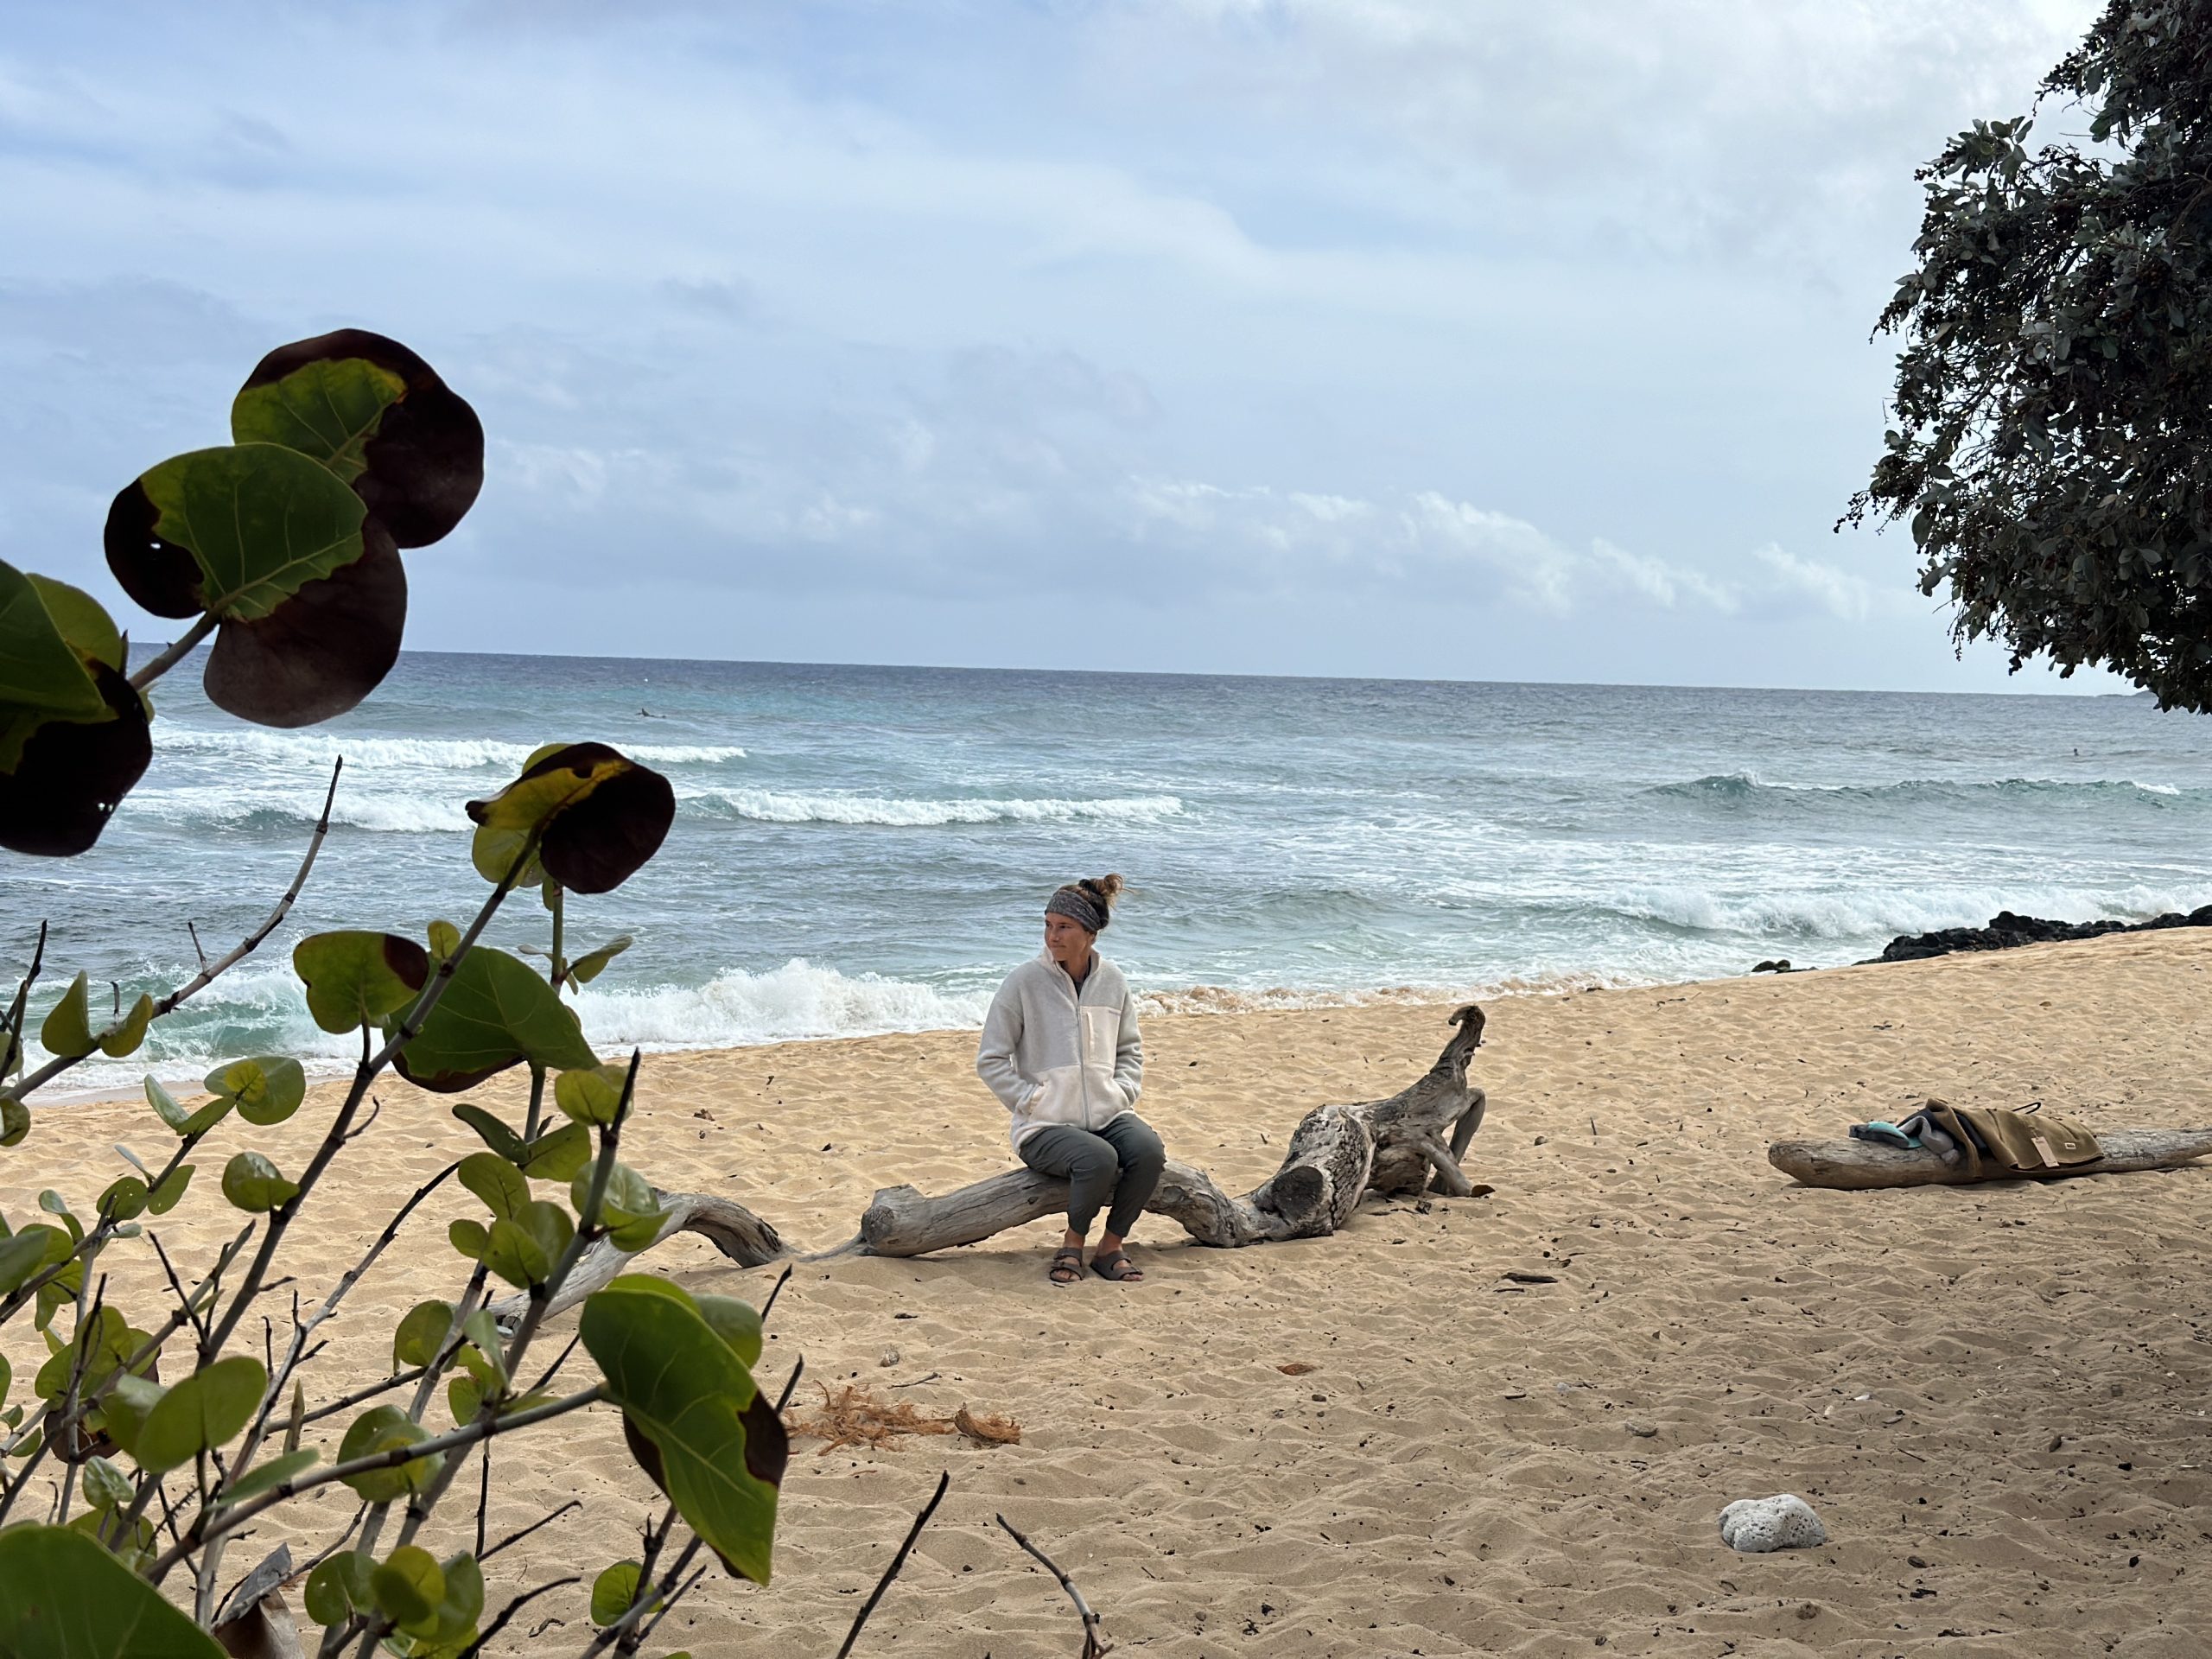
point(260, 521)
point(354, 977)
point(494, 1015)
point(107, 1341)
point(421, 1333)
point(106, 1487)
point(736, 1322)
point(629, 1210)
point(124, 1199)
point(327, 409)
point(268, 1089)
point(122, 1038)
point(254, 1185)
point(201, 1411)
point(471, 1238)
point(452, 1624)
point(61, 778)
point(337, 1586)
point(263, 1475)
point(41, 670)
point(386, 1428)
point(464, 1397)
point(497, 1182)
point(557, 1154)
point(589, 1094)
point(613, 1591)
point(598, 816)
point(15, 1121)
point(522, 1249)
point(165, 1106)
point(417, 461)
point(68, 1029)
point(445, 939)
point(64, 1597)
point(588, 966)
point(23, 1253)
point(169, 1191)
point(408, 1587)
point(492, 1131)
point(720, 1450)
point(322, 651)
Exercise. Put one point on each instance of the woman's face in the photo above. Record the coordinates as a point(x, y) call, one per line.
point(1068, 942)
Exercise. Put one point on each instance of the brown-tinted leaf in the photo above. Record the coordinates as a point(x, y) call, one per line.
point(423, 468)
point(322, 651)
point(160, 575)
point(72, 774)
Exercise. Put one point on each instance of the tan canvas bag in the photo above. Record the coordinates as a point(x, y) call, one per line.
point(2029, 1142)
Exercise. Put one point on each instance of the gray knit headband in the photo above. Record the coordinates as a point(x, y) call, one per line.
point(1078, 907)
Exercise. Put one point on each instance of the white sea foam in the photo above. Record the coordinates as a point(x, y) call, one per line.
point(365, 805)
point(424, 753)
point(1880, 915)
point(778, 806)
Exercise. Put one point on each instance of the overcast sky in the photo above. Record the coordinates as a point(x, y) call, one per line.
point(1439, 338)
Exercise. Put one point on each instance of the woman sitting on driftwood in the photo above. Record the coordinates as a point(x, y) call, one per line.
point(1060, 1049)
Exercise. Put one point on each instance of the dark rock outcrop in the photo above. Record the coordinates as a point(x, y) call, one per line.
point(2006, 931)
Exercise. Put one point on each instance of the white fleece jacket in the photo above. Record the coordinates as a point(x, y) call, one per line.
point(1053, 1055)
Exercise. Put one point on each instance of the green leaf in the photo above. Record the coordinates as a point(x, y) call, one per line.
point(588, 966)
point(169, 1191)
point(421, 1334)
point(254, 1185)
point(122, 1038)
point(628, 1209)
point(260, 521)
point(15, 1121)
point(494, 1015)
point(453, 1623)
point(355, 977)
point(445, 939)
point(471, 1238)
point(63, 1596)
point(55, 1205)
point(338, 1587)
point(408, 1588)
point(523, 1250)
point(492, 1131)
point(596, 815)
point(106, 1487)
point(129, 1402)
point(40, 668)
point(464, 1397)
point(328, 410)
point(166, 1106)
point(262, 1477)
point(386, 1428)
point(67, 1031)
point(719, 1446)
point(497, 1182)
point(589, 1094)
point(613, 1591)
point(124, 1199)
point(203, 1411)
point(557, 1154)
point(737, 1323)
point(25, 1253)
point(268, 1089)
point(106, 1340)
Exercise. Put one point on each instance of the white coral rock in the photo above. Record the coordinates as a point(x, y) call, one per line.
point(1756, 1525)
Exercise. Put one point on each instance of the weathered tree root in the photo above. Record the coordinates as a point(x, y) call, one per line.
point(1395, 1147)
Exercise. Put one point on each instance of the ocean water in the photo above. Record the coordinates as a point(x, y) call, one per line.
point(868, 850)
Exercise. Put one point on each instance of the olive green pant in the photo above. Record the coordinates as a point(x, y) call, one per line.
point(1123, 1160)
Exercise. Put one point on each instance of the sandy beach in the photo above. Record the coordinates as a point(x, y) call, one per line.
point(1996, 1399)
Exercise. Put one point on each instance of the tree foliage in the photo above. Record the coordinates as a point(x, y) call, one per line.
point(2052, 438)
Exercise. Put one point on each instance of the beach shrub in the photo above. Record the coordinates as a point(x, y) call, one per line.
point(2051, 444)
point(161, 1423)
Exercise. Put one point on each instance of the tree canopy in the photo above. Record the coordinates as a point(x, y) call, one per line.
point(2052, 437)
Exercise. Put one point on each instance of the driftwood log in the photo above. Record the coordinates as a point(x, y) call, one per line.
point(1410, 1143)
point(1858, 1166)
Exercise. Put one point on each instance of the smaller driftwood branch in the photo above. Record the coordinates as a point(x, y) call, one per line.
point(728, 1226)
point(943, 1481)
point(1858, 1166)
point(1094, 1645)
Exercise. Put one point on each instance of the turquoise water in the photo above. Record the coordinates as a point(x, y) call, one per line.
point(863, 849)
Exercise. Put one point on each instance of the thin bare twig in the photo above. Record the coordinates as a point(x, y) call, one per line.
point(790, 1382)
point(54, 1068)
point(198, 950)
point(774, 1290)
point(517, 1537)
point(11, 1028)
point(510, 1610)
point(177, 652)
point(1094, 1645)
point(943, 1481)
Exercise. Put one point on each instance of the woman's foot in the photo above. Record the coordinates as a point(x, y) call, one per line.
point(1067, 1267)
point(1113, 1264)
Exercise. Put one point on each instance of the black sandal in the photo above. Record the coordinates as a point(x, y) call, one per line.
point(1116, 1266)
point(1067, 1262)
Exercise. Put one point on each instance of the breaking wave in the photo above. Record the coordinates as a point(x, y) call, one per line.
point(776, 806)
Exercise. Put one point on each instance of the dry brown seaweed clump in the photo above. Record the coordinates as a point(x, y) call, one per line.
point(856, 1415)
